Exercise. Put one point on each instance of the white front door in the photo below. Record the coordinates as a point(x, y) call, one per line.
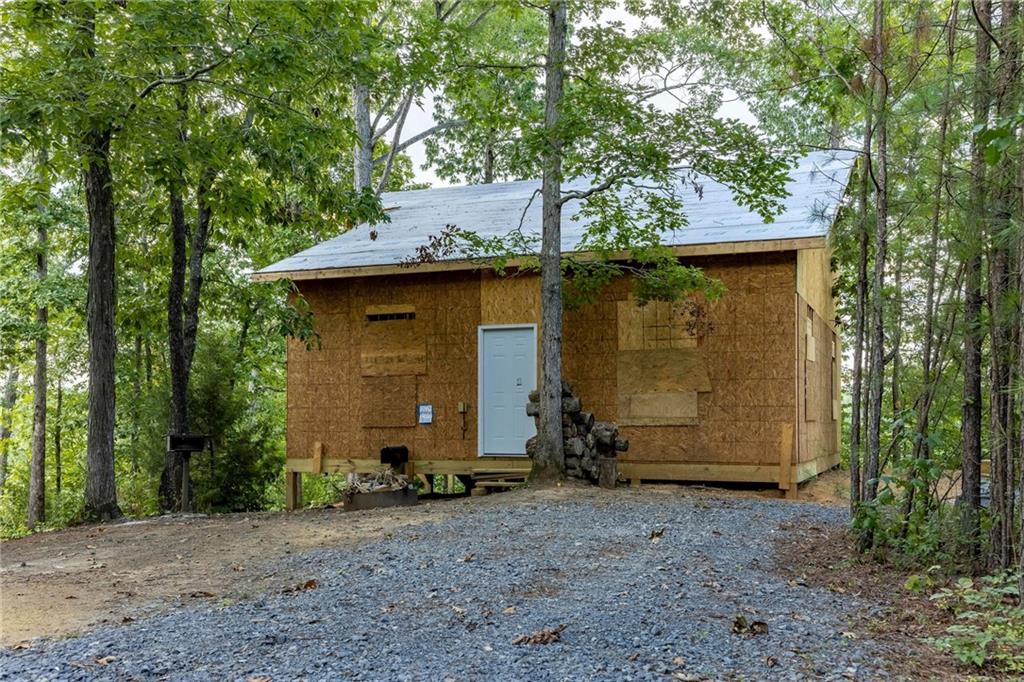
point(508, 372)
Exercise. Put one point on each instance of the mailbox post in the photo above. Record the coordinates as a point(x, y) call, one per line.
point(186, 444)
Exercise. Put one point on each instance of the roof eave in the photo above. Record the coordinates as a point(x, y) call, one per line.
point(690, 250)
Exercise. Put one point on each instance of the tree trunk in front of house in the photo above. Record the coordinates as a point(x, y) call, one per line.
point(549, 460)
point(877, 328)
point(7, 400)
point(100, 487)
point(37, 468)
point(362, 153)
point(974, 336)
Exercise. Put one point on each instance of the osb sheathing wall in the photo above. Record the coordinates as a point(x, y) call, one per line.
point(749, 357)
point(818, 362)
point(330, 398)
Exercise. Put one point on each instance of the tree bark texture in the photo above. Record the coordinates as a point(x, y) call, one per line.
point(7, 400)
point(549, 460)
point(183, 323)
point(921, 450)
point(970, 501)
point(1003, 308)
point(362, 154)
point(100, 488)
point(856, 485)
point(37, 468)
point(877, 329)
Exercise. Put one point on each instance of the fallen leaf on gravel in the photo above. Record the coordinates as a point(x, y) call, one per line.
point(310, 584)
point(510, 611)
point(127, 619)
point(545, 636)
point(656, 535)
point(800, 616)
point(850, 635)
point(258, 678)
point(22, 645)
point(740, 626)
point(202, 594)
point(632, 658)
point(106, 660)
point(71, 596)
point(771, 661)
point(459, 611)
point(467, 559)
point(679, 660)
point(686, 677)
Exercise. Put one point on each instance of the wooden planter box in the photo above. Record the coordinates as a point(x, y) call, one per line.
point(381, 499)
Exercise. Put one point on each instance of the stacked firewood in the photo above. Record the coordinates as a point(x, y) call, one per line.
point(590, 446)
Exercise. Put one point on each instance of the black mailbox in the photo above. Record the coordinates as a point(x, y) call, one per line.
point(187, 442)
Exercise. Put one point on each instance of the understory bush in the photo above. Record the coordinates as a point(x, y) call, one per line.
point(989, 628)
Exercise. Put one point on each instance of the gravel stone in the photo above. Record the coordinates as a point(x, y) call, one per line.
point(434, 602)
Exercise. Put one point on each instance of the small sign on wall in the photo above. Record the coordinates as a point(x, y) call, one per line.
point(424, 413)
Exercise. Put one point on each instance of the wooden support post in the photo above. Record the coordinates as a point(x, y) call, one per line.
point(786, 482)
point(186, 483)
point(318, 457)
point(292, 490)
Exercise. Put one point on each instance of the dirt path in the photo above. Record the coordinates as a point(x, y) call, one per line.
point(63, 582)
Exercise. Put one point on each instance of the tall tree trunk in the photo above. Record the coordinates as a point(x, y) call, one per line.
point(7, 400)
point(58, 445)
point(100, 486)
point(549, 459)
point(489, 163)
point(136, 400)
point(921, 450)
point(37, 470)
point(1002, 304)
point(974, 337)
point(875, 379)
point(362, 153)
point(170, 478)
point(856, 485)
point(183, 323)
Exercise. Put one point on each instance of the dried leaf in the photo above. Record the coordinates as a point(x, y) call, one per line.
point(202, 594)
point(771, 661)
point(310, 584)
point(22, 645)
point(510, 611)
point(679, 661)
point(106, 660)
point(656, 535)
point(468, 558)
point(545, 636)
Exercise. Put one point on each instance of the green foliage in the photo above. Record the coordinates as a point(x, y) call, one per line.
point(989, 628)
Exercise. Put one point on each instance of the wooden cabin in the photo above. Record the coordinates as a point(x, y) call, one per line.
point(439, 357)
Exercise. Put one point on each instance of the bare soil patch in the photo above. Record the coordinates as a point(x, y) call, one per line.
point(62, 582)
point(827, 557)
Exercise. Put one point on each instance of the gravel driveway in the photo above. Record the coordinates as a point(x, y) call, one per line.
point(647, 585)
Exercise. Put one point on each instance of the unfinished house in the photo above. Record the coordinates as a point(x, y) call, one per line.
point(439, 357)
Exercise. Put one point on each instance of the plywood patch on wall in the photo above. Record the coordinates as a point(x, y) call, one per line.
point(659, 387)
point(388, 402)
point(394, 343)
point(513, 299)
